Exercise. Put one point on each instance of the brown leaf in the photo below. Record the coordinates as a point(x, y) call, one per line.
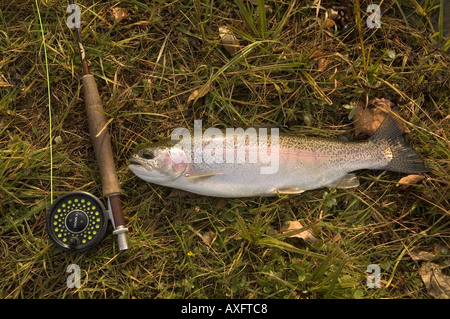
point(332, 14)
point(207, 237)
point(306, 235)
point(329, 23)
point(406, 181)
point(336, 238)
point(368, 119)
point(316, 54)
point(229, 41)
point(196, 94)
point(421, 255)
point(118, 14)
point(437, 284)
point(322, 64)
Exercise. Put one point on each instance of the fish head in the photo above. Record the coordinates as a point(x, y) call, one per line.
point(159, 164)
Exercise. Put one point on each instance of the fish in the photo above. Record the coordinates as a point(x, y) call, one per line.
point(302, 163)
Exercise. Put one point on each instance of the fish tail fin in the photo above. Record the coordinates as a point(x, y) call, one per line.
point(404, 157)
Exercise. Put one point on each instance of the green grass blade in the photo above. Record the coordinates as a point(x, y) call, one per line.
point(262, 19)
point(248, 17)
point(441, 22)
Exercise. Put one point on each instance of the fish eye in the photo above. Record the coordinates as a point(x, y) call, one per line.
point(148, 155)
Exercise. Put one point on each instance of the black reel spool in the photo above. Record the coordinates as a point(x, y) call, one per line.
point(77, 221)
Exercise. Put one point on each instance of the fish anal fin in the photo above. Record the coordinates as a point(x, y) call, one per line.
point(291, 191)
point(199, 177)
point(348, 181)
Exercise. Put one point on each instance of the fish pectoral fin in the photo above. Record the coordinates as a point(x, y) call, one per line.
point(294, 190)
point(199, 177)
point(348, 181)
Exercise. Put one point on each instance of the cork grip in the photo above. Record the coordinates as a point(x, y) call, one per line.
point(100, 137)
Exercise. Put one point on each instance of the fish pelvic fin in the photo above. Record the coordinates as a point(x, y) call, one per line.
point(348, 181)
point(404, 158)
point(289, 191)
point(199, 177)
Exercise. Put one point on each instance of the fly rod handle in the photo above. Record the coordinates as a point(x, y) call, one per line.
point(101, 140)
point(100, 136)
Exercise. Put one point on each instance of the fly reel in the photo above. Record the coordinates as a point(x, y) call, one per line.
point(77, 221)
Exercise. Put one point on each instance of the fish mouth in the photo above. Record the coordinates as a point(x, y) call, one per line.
point(135, 161)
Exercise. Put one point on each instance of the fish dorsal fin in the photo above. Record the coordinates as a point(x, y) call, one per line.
point(200, 177)
point(294, 190)
point(348, 181)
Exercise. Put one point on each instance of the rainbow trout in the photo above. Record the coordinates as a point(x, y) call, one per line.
point(241, 166)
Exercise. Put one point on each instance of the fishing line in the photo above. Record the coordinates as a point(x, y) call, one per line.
point(49, 101)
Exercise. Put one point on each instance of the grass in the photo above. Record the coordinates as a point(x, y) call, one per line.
point(146, 68)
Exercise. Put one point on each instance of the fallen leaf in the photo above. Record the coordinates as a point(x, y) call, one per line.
point(436, 283)
point(307, 235)
point(322, 64)
point(192, 96)
point(316, 54)
point(207, 237)
point(118, 14)
point(229, 40)
point(332, 14)
point(196, 94)
point(329, 23)
point(368, 119)
point(406, 181)
point(421, 255)
point(336, 238)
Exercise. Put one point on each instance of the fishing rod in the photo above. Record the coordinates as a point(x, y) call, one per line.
point(77, 221)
